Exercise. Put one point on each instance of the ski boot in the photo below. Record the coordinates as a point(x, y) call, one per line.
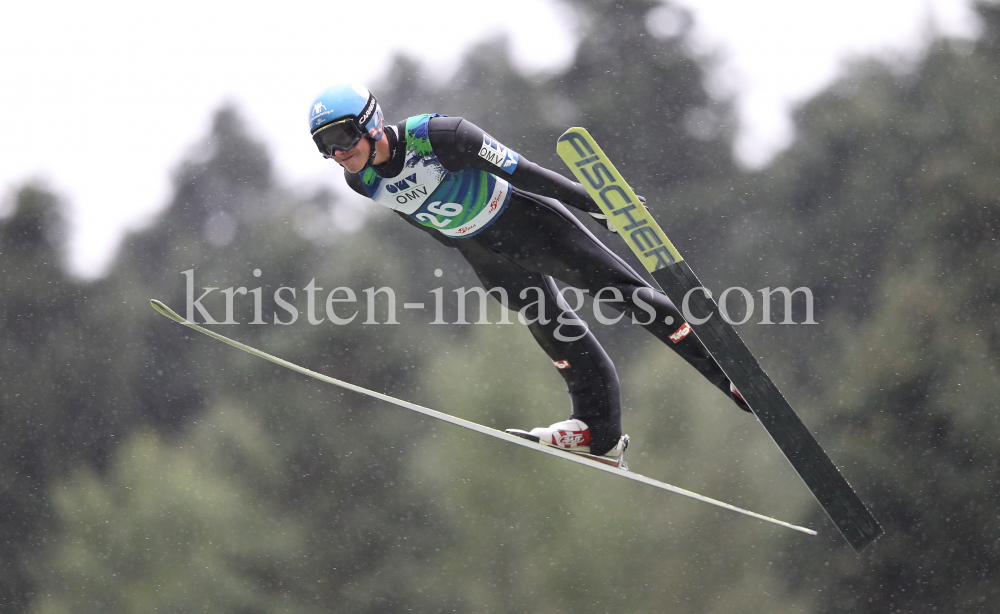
point(573, 435)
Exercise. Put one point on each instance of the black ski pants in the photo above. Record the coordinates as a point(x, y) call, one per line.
point(537, 239)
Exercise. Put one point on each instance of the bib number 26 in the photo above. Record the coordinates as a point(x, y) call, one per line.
point(446, 210)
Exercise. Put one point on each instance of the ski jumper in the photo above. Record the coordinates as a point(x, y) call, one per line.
point(506, 216)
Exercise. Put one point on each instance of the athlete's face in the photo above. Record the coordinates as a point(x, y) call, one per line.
point(355, 158)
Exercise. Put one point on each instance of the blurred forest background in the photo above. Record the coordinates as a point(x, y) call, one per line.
point(145, 468)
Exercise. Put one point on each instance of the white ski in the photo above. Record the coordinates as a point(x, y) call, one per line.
point(583, 459)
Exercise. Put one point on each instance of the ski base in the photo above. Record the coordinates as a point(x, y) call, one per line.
point(587, 460)
point(650, 244)
point(834, 494)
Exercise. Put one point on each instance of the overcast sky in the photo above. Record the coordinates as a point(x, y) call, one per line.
point(102, 99)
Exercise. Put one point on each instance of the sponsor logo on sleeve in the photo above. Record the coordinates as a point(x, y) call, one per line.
point(494, 152)
point(561, 364)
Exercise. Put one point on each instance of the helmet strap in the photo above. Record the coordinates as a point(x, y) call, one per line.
point(388, 134)
point(366, 114)
point(371, 155)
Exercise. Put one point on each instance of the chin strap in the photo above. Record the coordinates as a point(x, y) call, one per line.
point(388, 133)
point(371, 155)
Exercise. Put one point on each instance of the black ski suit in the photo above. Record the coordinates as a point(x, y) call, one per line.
point(536, 239)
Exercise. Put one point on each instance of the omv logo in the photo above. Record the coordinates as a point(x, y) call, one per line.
point(494, 152)
point(400, 186)
point(407, 190)
point(510, 163)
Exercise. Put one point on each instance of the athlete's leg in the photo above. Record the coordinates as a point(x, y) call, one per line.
point(540, 235)
point(587, 370)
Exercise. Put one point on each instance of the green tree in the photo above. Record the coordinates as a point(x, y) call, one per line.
point(894, 199)
point(174, 527)
point(86, 364)
point(120, 426)
point(36, 296)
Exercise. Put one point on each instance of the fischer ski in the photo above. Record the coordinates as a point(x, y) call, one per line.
point(636, 226)
point(612, 466)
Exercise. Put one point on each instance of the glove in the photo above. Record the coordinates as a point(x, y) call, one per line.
point(603, 218)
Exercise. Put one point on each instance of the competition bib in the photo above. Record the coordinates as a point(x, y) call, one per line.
point(456, 204)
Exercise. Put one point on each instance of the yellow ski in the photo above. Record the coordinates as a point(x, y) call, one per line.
point(635, 224)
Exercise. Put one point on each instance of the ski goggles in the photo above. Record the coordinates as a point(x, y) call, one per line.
point(337, 136)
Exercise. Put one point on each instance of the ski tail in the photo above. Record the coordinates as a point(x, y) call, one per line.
point(804, 453)
point(645, 237)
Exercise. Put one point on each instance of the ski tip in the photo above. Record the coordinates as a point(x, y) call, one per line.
point(571, 131)
point(166, 311)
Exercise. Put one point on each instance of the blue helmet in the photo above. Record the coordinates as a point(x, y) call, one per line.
point(342, 115)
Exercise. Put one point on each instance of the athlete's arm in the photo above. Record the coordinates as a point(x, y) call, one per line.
point(459, 144)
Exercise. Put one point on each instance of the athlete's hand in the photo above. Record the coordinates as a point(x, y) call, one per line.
point(600, 217)
point(603, 218)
